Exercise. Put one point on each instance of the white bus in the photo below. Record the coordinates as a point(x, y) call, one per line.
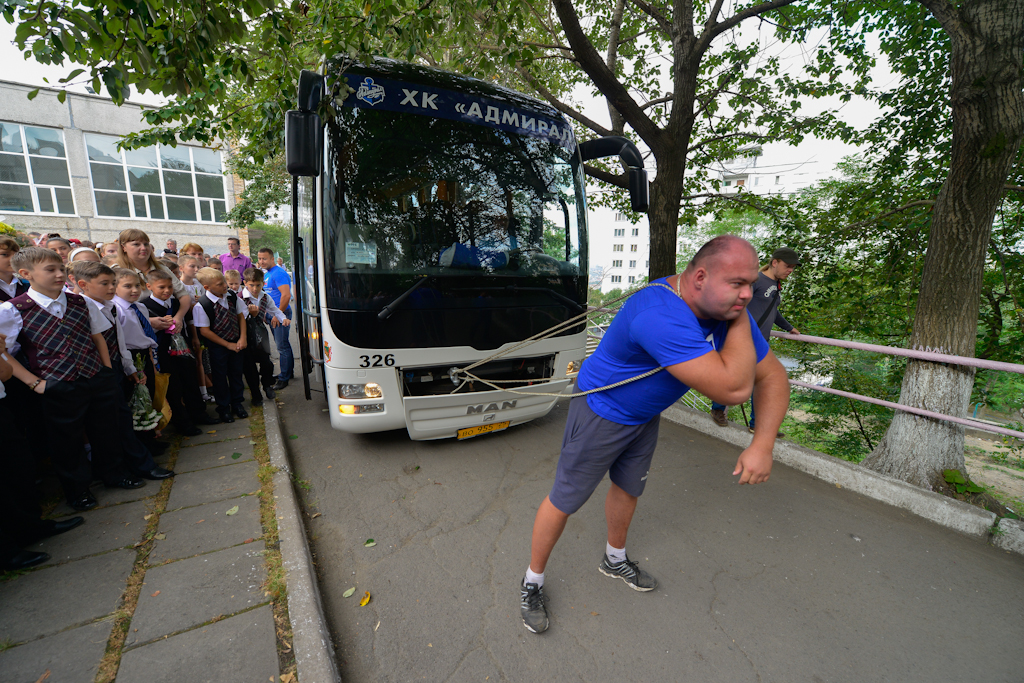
point(438, 219)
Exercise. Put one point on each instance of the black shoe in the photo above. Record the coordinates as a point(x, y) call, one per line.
point(269, 391)
point(54, 528)
point(532, 608)
point(83, 502)
point(204, 419)
point(24, 560)
point(719, 418)
point(240, 412)
point(156, 474)
point(190, 431)
point(225, 415)
point(128, 482)
point(256, 402)
point(281, 384)
point(628, 571)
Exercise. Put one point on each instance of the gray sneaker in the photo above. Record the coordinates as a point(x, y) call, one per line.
point(628, 571)
point(531, 606)
point(719, 417)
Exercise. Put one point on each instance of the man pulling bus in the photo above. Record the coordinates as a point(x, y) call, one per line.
point(697, 328)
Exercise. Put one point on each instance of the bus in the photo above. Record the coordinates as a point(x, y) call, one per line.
point(437, 220)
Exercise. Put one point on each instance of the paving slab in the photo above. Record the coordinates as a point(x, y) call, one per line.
point(219, 483)
point(213, 455)
point(72, 656)
point(220, 432)
point(104, 529)
point(184, 594)
point(206, 527)
point(240, 649)
point(51, 599)
point(107, 497)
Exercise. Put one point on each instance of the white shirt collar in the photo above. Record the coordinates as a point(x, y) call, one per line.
point(223, 301)
point(46, 303)
point(10, 288)
point(165, 304)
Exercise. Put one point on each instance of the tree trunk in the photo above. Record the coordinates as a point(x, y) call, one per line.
point(663, 214)
point(988, 121)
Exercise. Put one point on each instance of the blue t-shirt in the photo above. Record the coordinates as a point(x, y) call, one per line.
point(276, 277)
point(655, 327)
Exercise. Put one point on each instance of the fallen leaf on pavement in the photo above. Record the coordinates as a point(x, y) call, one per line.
point(370, 543)
point(222, 457)
point(212, 431)
point(430, 645)
point(287, 678)
point(594, 614)
point(294, 436)
point(252, 443)
point(200, 521)
point(160, 537)
point(232, 511)
point(45, 675)
point(148, 517)
point(376, 627)
point(366, 600)
point(249, 540)
point(236, 456)
point(153, 595)
point(349, 592)
point(315, 515)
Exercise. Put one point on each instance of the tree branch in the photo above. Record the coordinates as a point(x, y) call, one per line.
point(946, 14)
point(921, 202)
point(660, 100)
point(603, 78)
point(660, 19)
point(561, 106)
point(606, 176)
point(717, 29)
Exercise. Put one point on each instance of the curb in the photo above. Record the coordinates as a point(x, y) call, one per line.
point(954, 514)
point(311, 640)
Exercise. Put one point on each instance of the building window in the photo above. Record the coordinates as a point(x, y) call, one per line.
point(619, 217)
point(156, 183)
point(616, 247)
point(647, 264)
point(632, 247)
point(617, 264)
point(632, 279)
point(636, 232)
point(616, 278)
point(778, 178)
point(620, 232)
point(34, 170)
point(632, 264)
point(757, 180)
point(739, 183)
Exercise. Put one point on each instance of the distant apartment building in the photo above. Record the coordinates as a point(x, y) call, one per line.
point(619, 250)
point(750, 171)
point(61, 171)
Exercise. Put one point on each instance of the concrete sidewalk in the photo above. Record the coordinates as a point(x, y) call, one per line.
point(202, 612)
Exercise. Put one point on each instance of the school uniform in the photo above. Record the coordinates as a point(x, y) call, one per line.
point(80, 395)
point(220, 315)
point(187, 406)
point(257, 364)
point(137, 455)
point(12, 290)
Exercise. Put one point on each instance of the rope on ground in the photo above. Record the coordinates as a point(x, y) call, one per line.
point(466, 376)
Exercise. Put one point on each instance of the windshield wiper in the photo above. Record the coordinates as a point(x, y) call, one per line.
point(391, 307)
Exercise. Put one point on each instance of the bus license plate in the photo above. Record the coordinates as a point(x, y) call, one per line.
point(482, 429)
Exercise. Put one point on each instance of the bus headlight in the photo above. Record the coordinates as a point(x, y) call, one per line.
point(360, 410)
point(573, 368)
point(369, 390)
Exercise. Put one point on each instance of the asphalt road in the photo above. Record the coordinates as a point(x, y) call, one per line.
point(793, 580)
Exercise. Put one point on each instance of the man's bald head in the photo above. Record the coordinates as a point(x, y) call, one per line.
point(719, 248)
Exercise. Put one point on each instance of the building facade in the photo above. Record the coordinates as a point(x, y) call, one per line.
point(619, 250)
point(61, 172)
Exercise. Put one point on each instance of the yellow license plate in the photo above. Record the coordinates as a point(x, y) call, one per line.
point(482, 429)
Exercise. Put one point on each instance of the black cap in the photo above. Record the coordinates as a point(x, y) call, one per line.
point(788, 255)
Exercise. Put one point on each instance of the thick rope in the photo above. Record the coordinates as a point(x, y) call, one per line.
point(468, 377)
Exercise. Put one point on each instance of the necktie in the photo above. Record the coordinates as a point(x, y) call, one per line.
point(147, 328)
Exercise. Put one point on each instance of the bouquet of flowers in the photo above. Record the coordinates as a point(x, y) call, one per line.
point(144, 417)
point(178, 345)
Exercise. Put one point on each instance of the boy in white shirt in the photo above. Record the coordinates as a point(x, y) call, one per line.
point(219, 316)
point(10, 285)
point(257, 364)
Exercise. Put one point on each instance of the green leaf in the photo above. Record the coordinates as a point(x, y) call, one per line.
point(236, 456)
point(294, 436)
point(370, 543)
point(953, 477)
point(62, 95)
point(232, 511)
point(32, 94)
point(349, 592)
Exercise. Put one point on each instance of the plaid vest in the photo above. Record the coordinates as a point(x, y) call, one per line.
point(19, 289)
point(58, 349)
point(224, 322)
point(113, 348)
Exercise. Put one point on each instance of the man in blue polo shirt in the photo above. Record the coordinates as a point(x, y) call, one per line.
point(694, 325)
point(278, 285)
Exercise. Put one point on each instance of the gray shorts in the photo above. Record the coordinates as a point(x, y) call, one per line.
point(593, 446)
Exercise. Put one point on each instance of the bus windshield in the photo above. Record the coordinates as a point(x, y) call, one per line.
point(408, 195)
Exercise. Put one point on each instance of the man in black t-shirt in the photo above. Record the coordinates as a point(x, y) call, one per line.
point(764, 309)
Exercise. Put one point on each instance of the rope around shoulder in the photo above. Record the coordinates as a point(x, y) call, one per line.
point(466, 376)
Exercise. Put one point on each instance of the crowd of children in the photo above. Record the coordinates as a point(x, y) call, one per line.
point(101, 348)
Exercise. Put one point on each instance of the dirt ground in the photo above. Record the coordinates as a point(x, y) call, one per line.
point(1008, 481)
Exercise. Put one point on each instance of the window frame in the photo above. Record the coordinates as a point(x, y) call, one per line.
point(33, 186)
point(148, 195)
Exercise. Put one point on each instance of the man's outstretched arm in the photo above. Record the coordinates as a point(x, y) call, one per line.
point(771, 396)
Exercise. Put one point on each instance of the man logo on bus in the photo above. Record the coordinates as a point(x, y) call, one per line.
point(505, 405)
point(370, 92)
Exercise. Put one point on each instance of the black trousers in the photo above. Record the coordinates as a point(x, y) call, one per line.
point(90, 406)
point(227, 376)
point(183, 395)
point(20, 524)
point(258, 368)
point(136, 456)
point(27, 408)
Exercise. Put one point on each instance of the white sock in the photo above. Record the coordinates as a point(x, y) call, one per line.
point(614, 554)
point(531, 577)
point(202, 390)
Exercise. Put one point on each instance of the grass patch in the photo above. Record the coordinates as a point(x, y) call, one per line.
point(130, 598)
point(275, 587)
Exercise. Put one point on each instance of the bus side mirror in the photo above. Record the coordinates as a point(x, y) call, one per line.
point(612, 145)
point(303, 143)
